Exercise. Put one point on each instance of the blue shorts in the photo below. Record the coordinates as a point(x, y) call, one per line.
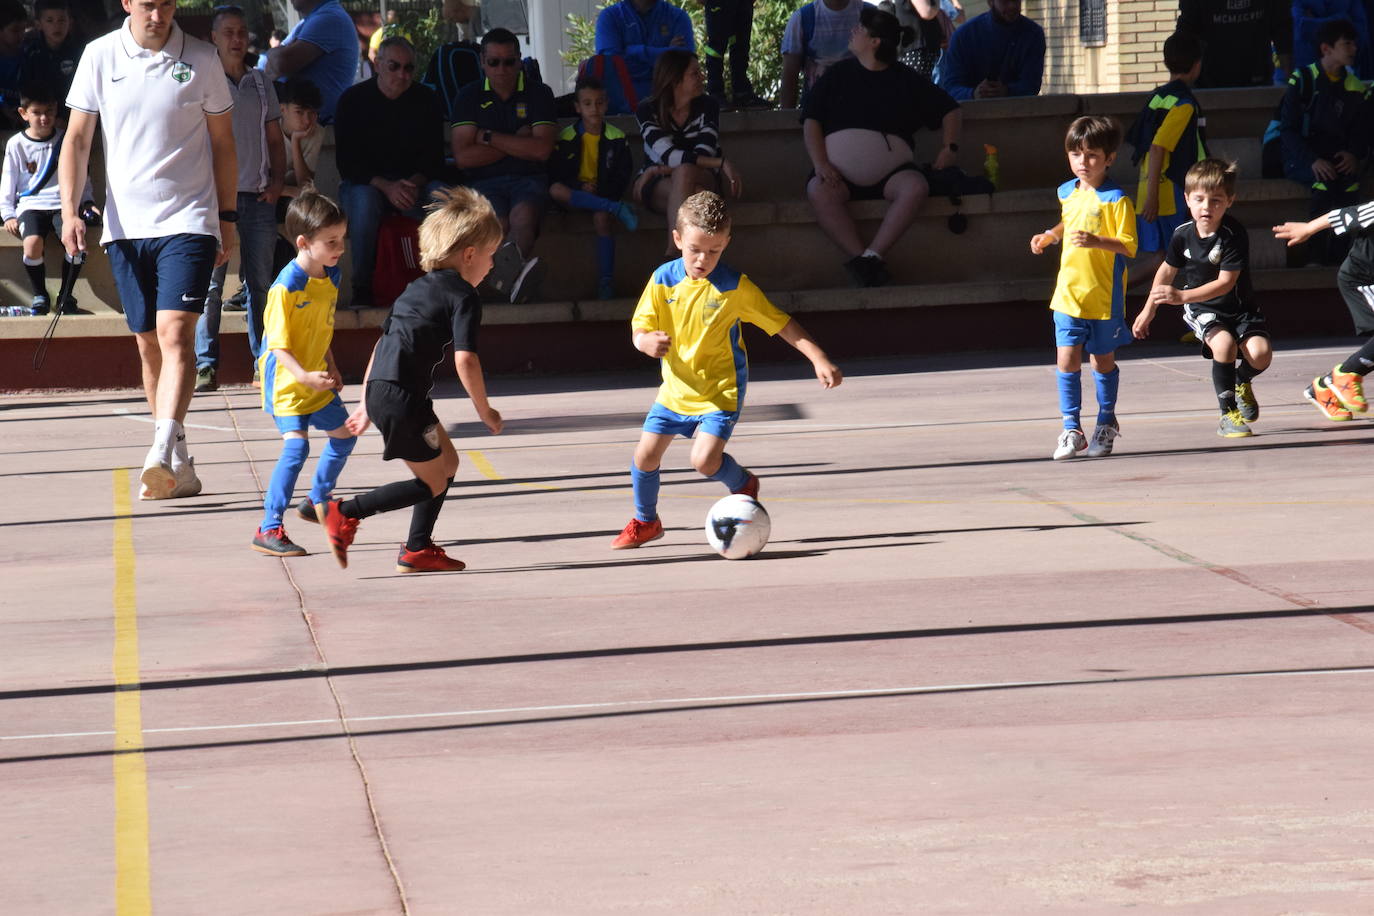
point(165, 274)
point(664, 422)
point(1155, 236)
point(506, 191)
point(329, 417)
point(1094, 335)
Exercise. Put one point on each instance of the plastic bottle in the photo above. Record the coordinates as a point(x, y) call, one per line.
point(991, 169)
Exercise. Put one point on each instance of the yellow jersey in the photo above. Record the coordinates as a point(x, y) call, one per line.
point(1092, 282)
point(299, 317)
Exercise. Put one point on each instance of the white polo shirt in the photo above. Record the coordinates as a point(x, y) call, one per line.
point(152, 107)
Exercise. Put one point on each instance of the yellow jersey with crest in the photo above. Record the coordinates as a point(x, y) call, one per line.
point(299, 316)
point(707, 367)
point(1092, 282)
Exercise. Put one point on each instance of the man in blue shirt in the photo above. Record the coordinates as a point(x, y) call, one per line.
point(1000, 53)
point(323, 48)
point(639, 31)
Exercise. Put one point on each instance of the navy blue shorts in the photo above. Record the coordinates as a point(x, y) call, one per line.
point(508, 191)
point(168, 274)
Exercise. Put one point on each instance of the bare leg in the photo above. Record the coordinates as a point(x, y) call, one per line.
point(175, 382)
point(830, 202)
point(906, 191)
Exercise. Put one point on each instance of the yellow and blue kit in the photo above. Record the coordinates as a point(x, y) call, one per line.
point(707, 368)
point(1092, 282)
point(299, 316)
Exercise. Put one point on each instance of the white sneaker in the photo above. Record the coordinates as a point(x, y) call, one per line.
point(1101, 446)
point(1071, 442)
point(188, 484)
point(157, 477)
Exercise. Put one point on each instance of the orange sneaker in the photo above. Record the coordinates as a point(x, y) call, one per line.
point(338, 527)
point(751, 487)
point(1348, 389)
point(430, 559)
point(1325, 400)
point(637, 533)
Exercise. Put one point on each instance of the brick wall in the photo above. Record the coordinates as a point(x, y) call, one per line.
point(1130, 60)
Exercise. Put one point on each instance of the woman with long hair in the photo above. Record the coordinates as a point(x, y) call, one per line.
point(859, 125)
point(680, 126)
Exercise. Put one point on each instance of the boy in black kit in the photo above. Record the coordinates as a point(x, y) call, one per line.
point(51, 51)
point(1339, 394)
point(1206, 270)
point(457, 241)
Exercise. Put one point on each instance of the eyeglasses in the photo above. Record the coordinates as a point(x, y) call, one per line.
point(392, 66)
point(497, 62)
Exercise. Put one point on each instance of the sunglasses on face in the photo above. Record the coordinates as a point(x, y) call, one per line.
point(498, 62)
point(392, 66)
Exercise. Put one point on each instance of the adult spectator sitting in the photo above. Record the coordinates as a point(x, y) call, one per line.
point(1238, 35)
point(1000, 53)
point(503, 134)
point(680, 127)
point(389, 145)
point(859, 124)
point(456, 63)
point(640, 31)
point(323, 48)
point(816, 38)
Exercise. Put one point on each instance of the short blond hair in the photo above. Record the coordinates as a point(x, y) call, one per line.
point(1211, 175)
point(458, 218)
point(704, 210)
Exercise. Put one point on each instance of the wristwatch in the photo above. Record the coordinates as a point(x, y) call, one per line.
point(228, 216)
point(486, 138)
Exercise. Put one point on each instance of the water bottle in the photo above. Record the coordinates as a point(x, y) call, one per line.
point(991, 169)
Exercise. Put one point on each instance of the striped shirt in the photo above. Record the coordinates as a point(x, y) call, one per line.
point(1352, 219)
point(674, 145)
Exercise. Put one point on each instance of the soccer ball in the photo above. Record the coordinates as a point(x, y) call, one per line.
point(737, 527)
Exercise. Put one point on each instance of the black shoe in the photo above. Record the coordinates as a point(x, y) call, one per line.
point(751, 101)
point(526, 286)
point(867, 271)
point(275, 543)
point(306, 511)
point(69, 307)
point(237, 302)
point(39, 306)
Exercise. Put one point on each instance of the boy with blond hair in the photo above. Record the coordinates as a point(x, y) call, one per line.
point(1206, 270)
point(690, 316)
point(300, 380)
point(1098, 229)
point(439, 310)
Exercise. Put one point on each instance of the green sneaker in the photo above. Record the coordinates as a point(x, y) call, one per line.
point(1232, 426)
point(206, 379)
point(1245, 401)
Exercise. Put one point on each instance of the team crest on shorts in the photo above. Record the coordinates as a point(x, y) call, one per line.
point(431, 435)
point(181, 71)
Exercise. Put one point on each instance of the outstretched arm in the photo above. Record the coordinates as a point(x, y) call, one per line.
point(829, 373)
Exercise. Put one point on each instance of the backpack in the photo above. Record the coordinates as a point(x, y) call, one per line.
point(398, 258)
point(1271, 150)
point(621, 97)
point(452, 67)
point(1192, 145)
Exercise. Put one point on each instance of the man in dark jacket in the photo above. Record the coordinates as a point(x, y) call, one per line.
point(1238, 35)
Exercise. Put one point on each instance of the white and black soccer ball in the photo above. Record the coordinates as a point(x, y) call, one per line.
point(737, 527)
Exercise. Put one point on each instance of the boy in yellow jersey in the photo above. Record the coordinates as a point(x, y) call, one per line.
point(691, 316)
point(590, 170)
point(1098, 231)
point(300, 381)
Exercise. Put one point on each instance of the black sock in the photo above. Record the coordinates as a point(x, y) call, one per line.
point(422, 519)
point(387, 498)
point(1224, 381)
point(38, 279)
point(1361, 361)
point(1246, 372)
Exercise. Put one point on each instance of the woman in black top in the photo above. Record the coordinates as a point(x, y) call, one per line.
point(859, 124)
point(681, 131)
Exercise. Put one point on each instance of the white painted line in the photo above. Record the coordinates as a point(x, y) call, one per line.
point(682, 701)
point(128, 414)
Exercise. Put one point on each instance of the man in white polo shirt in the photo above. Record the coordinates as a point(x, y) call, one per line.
point(163, 106)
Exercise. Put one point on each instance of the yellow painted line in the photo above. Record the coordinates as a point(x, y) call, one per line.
point(485, 468)
point(132, 887)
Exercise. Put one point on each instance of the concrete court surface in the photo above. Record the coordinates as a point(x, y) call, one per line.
point(962, 679)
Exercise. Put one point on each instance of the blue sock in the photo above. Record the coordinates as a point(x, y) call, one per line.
point(1106, 394)
point(605, 256)
point(1070, 399)
point(730, 473)
point(279, 489)
point(331, 465)
point(646, 493)
point(585, 200)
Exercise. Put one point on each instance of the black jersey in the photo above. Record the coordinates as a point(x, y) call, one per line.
point(1357, 222)
point(439, 310)
point(1200, 260)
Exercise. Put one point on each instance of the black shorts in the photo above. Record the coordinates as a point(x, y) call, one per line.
point(1204, 321)
point(409, 428)
point(870, 191)
point(1357, 288)
point(40, 223)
